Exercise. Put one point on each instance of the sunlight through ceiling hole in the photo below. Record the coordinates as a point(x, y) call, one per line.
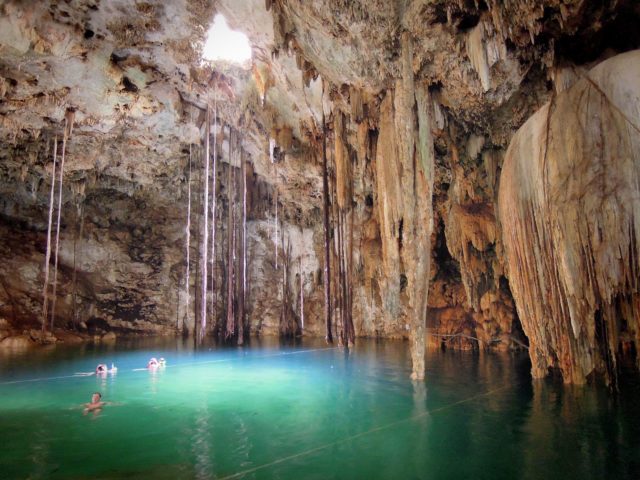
point(225, 44)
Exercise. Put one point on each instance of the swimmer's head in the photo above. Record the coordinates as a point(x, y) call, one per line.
point(95, 398)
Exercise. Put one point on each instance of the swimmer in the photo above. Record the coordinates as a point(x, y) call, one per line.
point(100, 371)
point(162, 362)
point(153, 363)
point(95, 405)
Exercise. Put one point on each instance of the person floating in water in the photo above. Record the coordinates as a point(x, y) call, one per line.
point(95, 405)
point(154, 363)
point(102, 369)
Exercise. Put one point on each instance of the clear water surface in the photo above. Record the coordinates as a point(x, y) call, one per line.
point(303, 411)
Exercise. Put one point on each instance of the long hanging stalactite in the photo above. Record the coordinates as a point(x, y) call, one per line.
point(214, 203)
point(47, 258)
point(230, 328)
point(276, 240)
point(287, 321)
point(78, 234)
point(343, 211)
point(325, 209)
point(196, 297)
point(205, 230)
point(301, 293)
point(68, 128)
point(243, 250)
point(187, 248)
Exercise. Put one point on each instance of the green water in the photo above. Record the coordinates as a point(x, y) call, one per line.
point(306, 412)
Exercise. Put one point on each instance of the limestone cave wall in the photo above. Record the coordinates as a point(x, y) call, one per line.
point(453, 131)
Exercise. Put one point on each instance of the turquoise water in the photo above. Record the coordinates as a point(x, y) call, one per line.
point(305, 412)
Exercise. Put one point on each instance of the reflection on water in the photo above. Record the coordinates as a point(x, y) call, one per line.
point(301, 410)
point(201, 444)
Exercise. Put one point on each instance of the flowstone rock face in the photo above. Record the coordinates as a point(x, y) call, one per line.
point(420, 100)
point(569, 212)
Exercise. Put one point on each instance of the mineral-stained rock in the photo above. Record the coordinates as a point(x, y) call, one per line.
point(569, 209)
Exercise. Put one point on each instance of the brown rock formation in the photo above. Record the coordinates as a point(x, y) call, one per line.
point(569, 209)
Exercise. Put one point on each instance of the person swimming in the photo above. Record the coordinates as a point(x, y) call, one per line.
point(96, 403)
point(101, 369)
point(155, 363)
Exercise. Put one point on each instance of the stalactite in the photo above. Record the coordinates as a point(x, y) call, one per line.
point(47, 258)
point(340, 284)
point(243, 254)
point(301, 293)
point(188, 248)
point(336, 282)
point(276, 240)
point(342, 162)
point(349, 336)
point(74, 280)
point(237, 249)
point(287, 324)
point(196, 297)
point(205, 231)
point(404, 171)
point(68, 127)
point(214, 203)
point(230, 328)
point(352, 330)
point(325, 209)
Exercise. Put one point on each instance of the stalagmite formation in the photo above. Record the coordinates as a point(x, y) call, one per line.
point(570, 212)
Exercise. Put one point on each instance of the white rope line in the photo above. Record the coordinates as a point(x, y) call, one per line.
point(361, 434)
point(222, 360)
point(41, 379)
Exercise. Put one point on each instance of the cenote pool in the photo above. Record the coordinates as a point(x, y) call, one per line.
point(305, 411)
